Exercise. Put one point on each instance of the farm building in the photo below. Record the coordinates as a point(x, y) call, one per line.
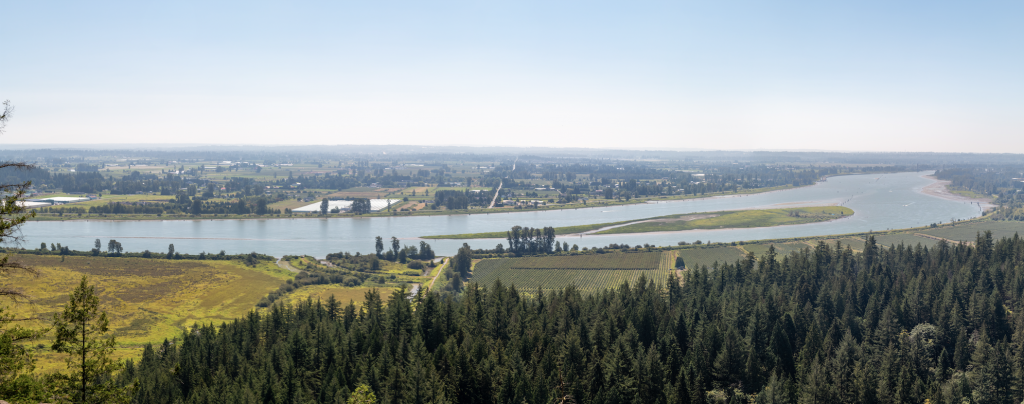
point(375, 205)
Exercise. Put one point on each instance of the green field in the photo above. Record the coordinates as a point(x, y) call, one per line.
point(969, 231)
point(696, 257)
point(587, 272)
point(781, 249)
point(909, 240)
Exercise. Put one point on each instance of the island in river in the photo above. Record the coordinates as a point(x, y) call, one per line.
point(736, 219)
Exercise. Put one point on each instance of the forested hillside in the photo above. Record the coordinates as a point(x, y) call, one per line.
point(889, 325)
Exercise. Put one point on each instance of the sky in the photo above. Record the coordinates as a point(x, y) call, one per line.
point(723, 75)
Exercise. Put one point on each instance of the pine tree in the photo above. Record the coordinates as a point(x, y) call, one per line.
point(81, 332)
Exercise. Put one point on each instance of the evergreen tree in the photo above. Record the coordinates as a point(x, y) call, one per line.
point(81, 331)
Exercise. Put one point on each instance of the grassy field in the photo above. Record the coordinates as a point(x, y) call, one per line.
point(781, 249)
point(589, 273)
point(856, 244)
point(341, 293)
point(147, 300)
point(696, 257)
point(969, 231)
point(907, 239)
point(735, 219)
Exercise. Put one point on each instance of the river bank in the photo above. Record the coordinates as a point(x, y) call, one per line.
point(597, 203)
point(940, 189)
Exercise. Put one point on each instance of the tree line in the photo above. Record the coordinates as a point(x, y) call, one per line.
point(886, 325)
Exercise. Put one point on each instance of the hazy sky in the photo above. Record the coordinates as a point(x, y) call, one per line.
point(856, 75)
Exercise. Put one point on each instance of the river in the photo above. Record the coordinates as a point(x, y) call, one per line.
point(880, 202)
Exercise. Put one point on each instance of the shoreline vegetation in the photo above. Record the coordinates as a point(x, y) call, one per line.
point(593, 203)
point(691, 221)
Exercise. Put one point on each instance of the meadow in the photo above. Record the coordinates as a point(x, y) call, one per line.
point(969, 231)
point(906, 239)
point(588, 273)
point(344, 295)
point(146, 300)
point(781, 249)
point(707, 256)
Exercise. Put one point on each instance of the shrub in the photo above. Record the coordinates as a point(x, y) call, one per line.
point(415, 265)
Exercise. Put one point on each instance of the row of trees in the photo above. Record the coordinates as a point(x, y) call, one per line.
point(399, 253)
point(526, 240)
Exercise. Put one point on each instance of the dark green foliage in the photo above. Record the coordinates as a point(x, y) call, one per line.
point(892, 325)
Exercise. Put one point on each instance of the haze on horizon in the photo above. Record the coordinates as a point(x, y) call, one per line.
point(864, 76)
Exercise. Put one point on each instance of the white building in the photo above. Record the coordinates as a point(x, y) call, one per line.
point(344, 206)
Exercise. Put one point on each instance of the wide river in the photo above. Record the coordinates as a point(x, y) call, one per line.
point(880, 202)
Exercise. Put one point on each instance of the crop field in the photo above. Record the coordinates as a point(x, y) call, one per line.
point(969, 231)
point(341, 293)
point(646, 260)
point(696, 257)
point(781, 249)
point(146, 300)
point(855, 244)
point(363, 192)
point(909, 240)
point(587, 272)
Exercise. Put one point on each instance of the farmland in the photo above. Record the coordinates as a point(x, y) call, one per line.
point(696, 257)
point(147, 300)
point(343, 294)
point(969, 231)
point(587, 272)
point(649, 260)
point(781, 249)
point(905, 238)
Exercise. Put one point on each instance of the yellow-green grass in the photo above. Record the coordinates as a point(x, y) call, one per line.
point(146, 300)
point(589, 273)
point(971, 194)
point(707, 256)
point(969, 231)
point(736, 219)
point(289, 203)
point(109, 198)
point(341, 293)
